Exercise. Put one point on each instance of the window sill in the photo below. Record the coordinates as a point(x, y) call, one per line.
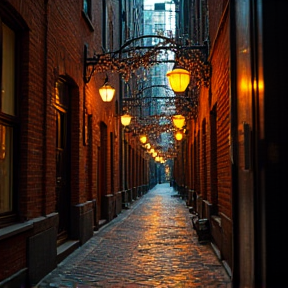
point(88, 21)
point(15, 229)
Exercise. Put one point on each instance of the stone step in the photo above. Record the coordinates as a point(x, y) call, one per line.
point(66, 249)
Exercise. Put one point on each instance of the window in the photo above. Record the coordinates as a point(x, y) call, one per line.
point(108, 23)
point(87, 7)
point(104, 25)
point(7, 122)
point(87, 13)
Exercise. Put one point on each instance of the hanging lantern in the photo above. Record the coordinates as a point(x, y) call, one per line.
point(178, 136)
point(178, 79)
point(107, 91)
point(147, 146)
point(154, 154)
point(178, 121)
point(151, 151)
point(143, 138)
point(126, 119)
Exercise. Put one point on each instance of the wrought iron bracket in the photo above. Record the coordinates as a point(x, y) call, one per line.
point(133, 55)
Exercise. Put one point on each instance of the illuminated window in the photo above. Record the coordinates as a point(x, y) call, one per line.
point(7, 123)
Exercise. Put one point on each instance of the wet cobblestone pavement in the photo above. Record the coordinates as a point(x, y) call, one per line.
point(152, 244)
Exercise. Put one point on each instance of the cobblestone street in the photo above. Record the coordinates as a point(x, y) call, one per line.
point(152, 244)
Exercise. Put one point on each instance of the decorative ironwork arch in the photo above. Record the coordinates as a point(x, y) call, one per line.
point(133, 55)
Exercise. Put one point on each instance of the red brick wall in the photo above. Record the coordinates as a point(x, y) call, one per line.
point(207, 182)
point(216, 9)
point(220, 94)
point(53, 46)
point(65, 44)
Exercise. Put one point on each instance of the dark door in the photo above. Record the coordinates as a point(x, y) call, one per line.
point(102, 178)
point(62, 161)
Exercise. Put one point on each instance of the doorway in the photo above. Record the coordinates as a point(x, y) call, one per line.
point(62, 160)
point(102, 171)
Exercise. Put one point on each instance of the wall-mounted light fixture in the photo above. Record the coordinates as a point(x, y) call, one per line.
point(148, 146)
point(143, 138)
point(178, 121)
point(126, 119)
point(107, 91)
point(178, 135)
point(133, 55)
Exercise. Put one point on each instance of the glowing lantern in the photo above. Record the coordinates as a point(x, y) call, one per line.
point(147, 146)
point(107, 92)
point(178, 79)
point(178, 121)
point(143, 139)
point(125, 119)
point(178, 136)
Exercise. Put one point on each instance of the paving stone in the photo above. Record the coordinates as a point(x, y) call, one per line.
point(151, 244)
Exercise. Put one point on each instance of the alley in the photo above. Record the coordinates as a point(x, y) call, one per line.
point(152, 244)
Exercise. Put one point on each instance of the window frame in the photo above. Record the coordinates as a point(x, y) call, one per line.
point(12, 216)
point(104, 25)
point(87, 15)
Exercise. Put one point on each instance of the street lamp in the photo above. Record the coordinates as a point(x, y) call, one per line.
point(126, 119)
point(179, 79)
point(178, 121)
point(143, 138)
point(178, 136)
point(107, 91)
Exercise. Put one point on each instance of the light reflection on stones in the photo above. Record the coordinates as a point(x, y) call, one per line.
point(155, 246)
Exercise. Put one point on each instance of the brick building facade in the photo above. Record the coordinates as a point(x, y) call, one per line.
point(234, 155)
point(67, 166)
point(63, 142)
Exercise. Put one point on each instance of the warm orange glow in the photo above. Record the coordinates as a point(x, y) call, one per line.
point(126, 119)
point(107, 92)
point(179, 79)
point(178, 121)
point(178, 135)
point(143, 139)
point(147, 146)
point(260, 86)
point(246, 85)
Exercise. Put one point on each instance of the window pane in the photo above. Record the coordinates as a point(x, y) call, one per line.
point(8, 70)
point(6, 168)
point(87, 7)
point(62, 94)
